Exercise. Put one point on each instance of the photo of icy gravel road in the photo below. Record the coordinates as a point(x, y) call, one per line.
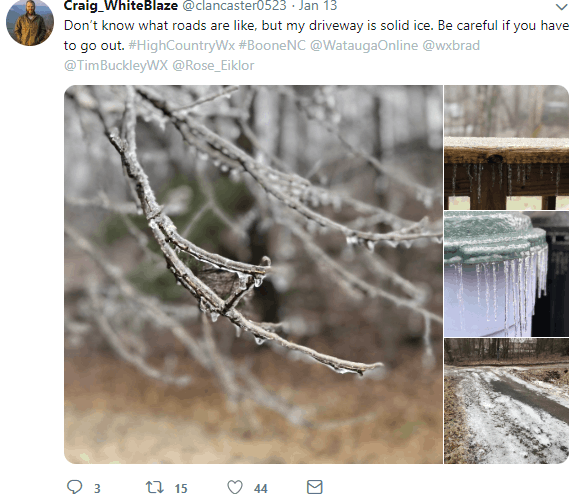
point(510, 420)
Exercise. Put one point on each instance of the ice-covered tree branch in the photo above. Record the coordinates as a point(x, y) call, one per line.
point(287, 188)
point(171, 243)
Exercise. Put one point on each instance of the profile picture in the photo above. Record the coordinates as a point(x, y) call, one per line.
point(30, 22)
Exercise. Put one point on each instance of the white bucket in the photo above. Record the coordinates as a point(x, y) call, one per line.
point(475, 305)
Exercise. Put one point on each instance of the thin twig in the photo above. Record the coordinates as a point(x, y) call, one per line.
point(224, 92)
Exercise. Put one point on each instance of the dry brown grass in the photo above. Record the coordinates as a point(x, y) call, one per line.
point(558, 377)
point(455, 429)
point(525, 360)
point(114, 414)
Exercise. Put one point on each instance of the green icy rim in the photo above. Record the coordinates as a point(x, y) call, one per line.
point(472, 237)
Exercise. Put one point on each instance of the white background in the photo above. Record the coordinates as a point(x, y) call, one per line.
point(34, 81)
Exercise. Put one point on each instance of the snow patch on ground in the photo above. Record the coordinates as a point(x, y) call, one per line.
point(490, 376)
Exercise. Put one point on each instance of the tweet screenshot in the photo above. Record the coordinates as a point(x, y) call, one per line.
point(308, 247)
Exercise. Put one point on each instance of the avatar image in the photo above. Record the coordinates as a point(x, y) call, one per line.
point(29, 23)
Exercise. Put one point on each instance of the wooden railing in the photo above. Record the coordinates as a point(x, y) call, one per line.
point(488, 170)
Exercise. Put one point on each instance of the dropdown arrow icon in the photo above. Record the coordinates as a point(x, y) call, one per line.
point(562, 8)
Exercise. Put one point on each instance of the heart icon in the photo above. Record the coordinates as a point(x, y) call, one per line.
point(235, 486)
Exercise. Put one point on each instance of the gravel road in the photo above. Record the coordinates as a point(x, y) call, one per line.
point(511, 420)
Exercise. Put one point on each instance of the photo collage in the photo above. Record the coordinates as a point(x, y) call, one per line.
point(316, 274)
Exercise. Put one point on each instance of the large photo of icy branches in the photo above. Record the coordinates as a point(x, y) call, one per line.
point(253, 274)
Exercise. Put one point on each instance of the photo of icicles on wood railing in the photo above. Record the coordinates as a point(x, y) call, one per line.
point(474, 173)
point(496, 266)
point(491, 171)
point(306, 221)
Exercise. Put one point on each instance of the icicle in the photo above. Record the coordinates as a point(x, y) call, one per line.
point(494, 287)
point(521, 295)
point(513, 270)
point(214, 316)
point(371, 245)
point(533, 264)
point(259, 340)
point(454, 180)
point(340, 370)
point(557, 178)
point(479, 179)
point(391, 243)
point(237, 330)
point(551, 170)
point(526, 286)
point(243, 277)
point(539, 273)
point(500, 173)
point(407, 244)
point(545, 269)
point(541, 170)
point(469, 177)
point(352, 239)
point(529, 169)
point(533, 280)
point(506, 298)
point(478, 281)
point(524, 297)
point(493, 175)
point(509, 179)
point(257, 281)
point(459, 294)
point(518, 173)
point(487, 295)
point(526, 280)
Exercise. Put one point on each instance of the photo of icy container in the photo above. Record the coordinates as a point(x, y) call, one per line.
point(495, 266)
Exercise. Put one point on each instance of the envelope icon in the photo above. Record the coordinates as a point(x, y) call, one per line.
point(314, 487)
